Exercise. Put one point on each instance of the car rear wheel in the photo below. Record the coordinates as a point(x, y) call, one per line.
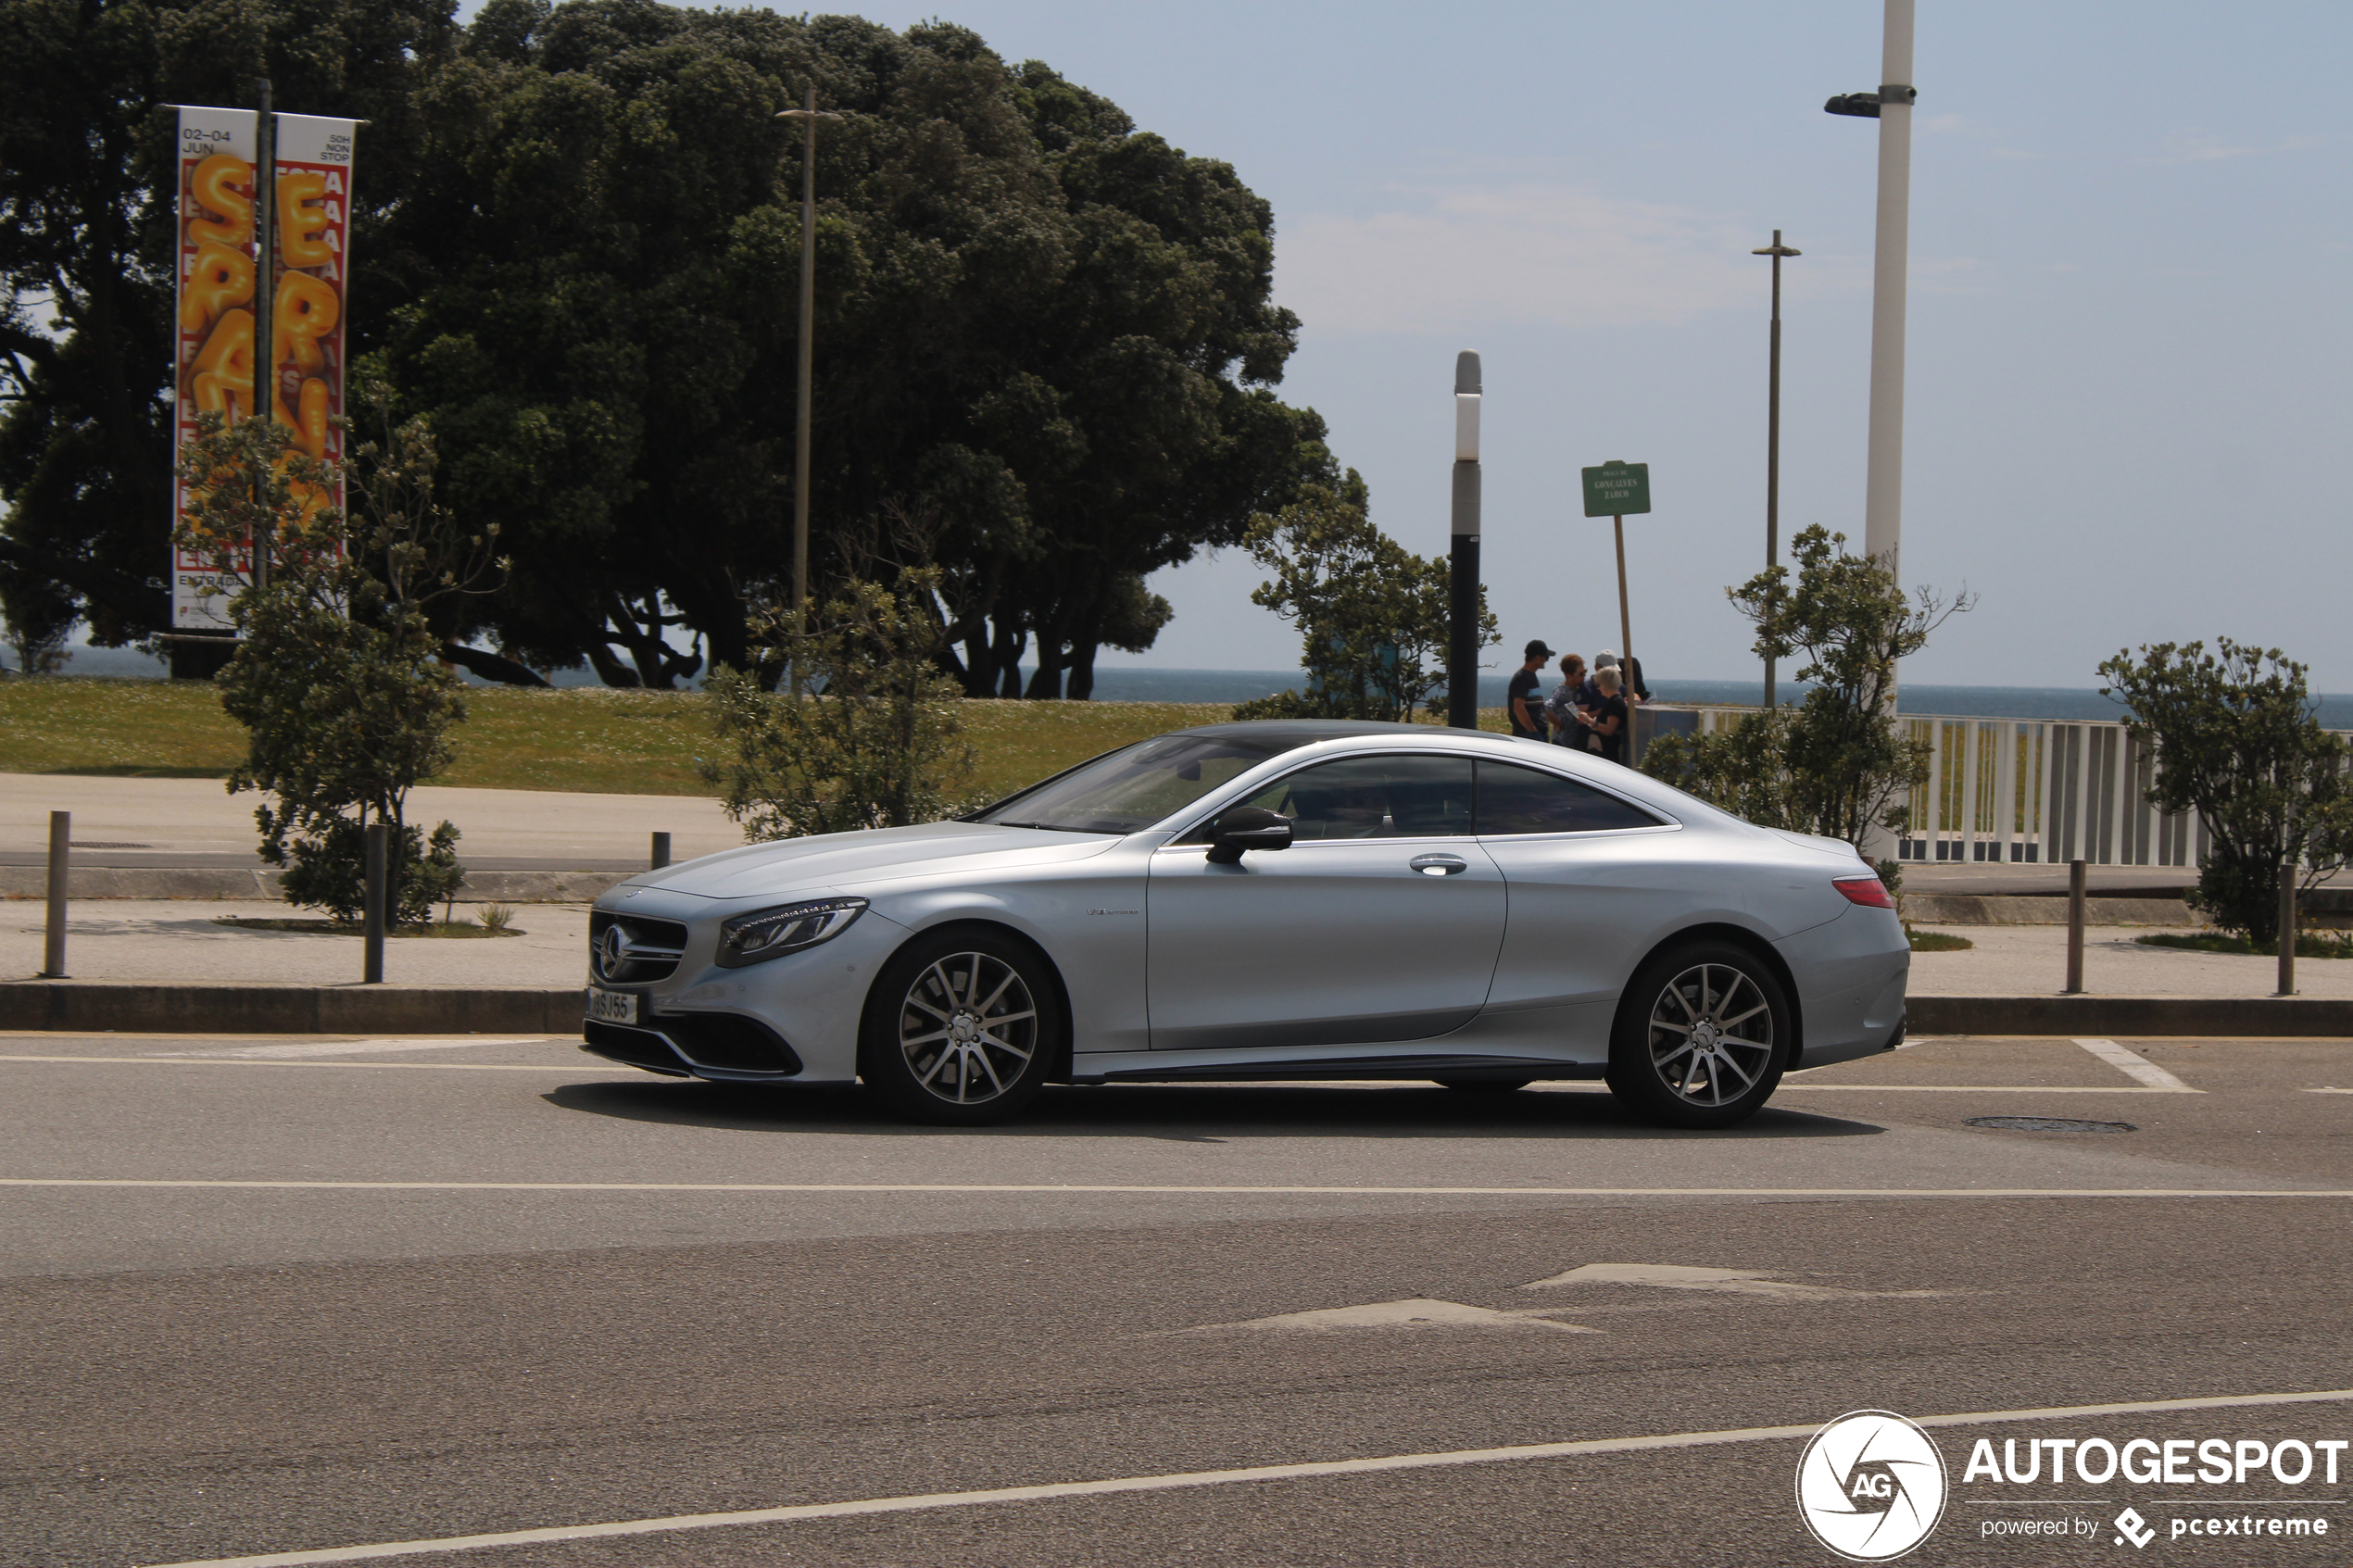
point(961, 1028)
point(1700, 1037)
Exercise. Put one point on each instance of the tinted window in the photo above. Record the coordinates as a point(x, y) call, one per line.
point(1524, 800)
point(1138, 785)
point(1375, 797)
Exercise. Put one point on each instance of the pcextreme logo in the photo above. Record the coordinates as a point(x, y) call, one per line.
point(1870, 1485)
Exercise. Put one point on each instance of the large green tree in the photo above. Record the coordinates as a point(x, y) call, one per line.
point(576, 253)
point(87, 201)
point(1047, 331)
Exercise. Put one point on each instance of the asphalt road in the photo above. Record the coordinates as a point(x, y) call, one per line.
point(263, 1297)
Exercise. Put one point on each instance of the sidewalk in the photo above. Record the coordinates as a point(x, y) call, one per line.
point(142, 942)
point(2029, 961)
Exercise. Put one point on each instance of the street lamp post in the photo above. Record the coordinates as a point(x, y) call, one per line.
point(1883, 476)
point(808, 115)
point(1773, 435)
point(1462, 623)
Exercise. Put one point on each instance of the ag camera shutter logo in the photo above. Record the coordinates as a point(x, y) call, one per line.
point(1870, 1485)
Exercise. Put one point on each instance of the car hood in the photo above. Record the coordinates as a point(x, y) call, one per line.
point(848, 859)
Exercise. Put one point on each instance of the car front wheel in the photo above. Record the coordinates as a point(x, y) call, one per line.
point(1701, 1038)
point(962, 1028)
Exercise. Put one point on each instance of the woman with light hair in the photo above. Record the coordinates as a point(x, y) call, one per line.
point(1607, 720)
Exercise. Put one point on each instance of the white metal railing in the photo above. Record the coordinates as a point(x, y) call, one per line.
point(2021, 790)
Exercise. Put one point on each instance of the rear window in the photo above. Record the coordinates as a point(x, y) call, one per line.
point(1513, 799)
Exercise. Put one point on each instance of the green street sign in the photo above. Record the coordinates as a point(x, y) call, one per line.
point(1617, 489)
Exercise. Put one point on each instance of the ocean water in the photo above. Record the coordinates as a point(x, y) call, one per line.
point(1145, 684)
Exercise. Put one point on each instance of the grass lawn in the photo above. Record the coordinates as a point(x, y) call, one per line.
point(584, 738)
point(2309, 943)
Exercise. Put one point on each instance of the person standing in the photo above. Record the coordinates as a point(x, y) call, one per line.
point(1609, 720)
point(1521, 705)
point(1560, 709)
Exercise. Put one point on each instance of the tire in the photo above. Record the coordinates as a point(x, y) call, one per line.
point(962, 1028)
point(1700, 1037)
point(1484, 1085)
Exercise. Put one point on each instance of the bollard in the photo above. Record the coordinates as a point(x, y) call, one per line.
point(662, 850)
point(52, 947)
point(372, 931)
point(2076, 872)
point(2287, 928)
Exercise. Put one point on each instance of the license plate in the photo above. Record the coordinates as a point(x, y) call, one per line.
point(612, 1007)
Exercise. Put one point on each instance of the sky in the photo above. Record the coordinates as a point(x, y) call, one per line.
point(2130, 338)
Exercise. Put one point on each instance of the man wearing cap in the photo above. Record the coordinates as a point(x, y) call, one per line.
point(1521, 704)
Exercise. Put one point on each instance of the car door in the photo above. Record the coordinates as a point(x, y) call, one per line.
point(1381, 923)
point(1594, 880)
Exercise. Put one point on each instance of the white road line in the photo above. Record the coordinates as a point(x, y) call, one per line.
point(1157, 1189)
point(337, 1048)
point(2134, 1065)
point(920, 1502)
point(349, 1066)
point(1979, 1088)
point(2329, 1091)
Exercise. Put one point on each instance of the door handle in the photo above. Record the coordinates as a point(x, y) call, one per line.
point(1439, 865)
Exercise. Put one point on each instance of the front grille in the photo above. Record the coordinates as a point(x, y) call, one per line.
point(729, 1042)
point(646, 950)
point(634, 1048)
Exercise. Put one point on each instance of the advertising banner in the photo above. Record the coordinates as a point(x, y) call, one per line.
point(217, 355)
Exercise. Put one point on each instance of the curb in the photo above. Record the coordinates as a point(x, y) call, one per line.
point(225, 1009)
point(221, 1008)
point(2216, 1016)
point(201, 883)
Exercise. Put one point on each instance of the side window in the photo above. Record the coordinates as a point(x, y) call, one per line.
point(1516, 800)
point(1375, 797)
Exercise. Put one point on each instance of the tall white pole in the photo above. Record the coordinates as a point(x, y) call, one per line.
point(1883, 480)
point(1883, 476)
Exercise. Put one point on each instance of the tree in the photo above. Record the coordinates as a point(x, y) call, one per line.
point(1373, 616)
point(337, 675)
point(1839, 764)
point(2236, 740)
point(875, 745)
point(88, 186)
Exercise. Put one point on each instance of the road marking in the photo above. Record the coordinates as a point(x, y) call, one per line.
point(1414, 1311)
point(574, 1067)
point(1169, 1189)
point(2329, 1091)
point(1681, 1276)
point(1983, 1088)
point(1053, 1490)
point(333, 1048)
point(2134, 1065)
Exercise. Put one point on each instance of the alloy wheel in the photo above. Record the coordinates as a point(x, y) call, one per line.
point(1711, 1034)
point(968, 1028)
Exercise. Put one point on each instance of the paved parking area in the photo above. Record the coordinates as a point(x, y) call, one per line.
point(491, 1301)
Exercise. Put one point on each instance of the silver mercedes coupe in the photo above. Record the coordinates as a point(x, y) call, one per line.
point(1271, 900)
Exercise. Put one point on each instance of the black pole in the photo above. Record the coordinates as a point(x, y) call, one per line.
point(372, 930)
point(264, 403)
point(1773, 435)
point(1462, 610)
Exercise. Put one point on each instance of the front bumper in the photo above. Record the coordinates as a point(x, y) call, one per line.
point(793, 1019)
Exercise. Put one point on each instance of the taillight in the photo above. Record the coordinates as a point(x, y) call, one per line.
point(1868, 891)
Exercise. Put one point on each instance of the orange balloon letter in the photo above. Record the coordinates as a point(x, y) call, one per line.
point(302, 216)
point(225, 366)
point(307, 311)
point(219, 185)
point(219, 277)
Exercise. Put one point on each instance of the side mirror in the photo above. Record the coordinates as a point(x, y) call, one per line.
point(1246, 827)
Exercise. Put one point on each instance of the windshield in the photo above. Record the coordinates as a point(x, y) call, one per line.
point(1133, 789)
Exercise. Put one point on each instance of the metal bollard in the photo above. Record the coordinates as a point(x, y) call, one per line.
point(2077, 872)
point(372, 931)
point(52, 947)
point(662, 851)
point(2287, 928)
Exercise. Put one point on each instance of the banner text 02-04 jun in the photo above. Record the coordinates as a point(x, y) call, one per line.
point(215, 353)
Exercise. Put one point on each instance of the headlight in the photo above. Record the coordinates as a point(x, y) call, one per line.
point(770, 934)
